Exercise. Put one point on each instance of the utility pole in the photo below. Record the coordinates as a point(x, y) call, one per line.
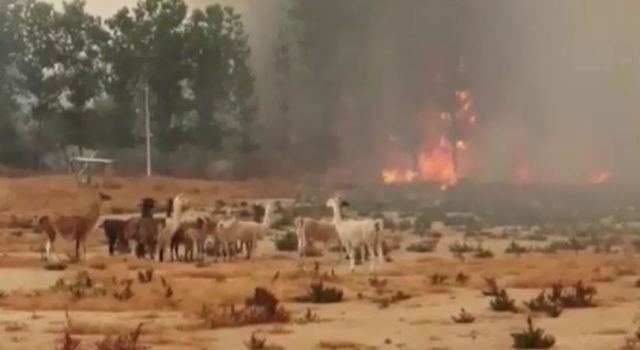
point(147, 128)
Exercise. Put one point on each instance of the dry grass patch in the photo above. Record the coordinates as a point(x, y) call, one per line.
point(15, 327)
point(278, 330)
point(205, 274)
point(343, 345)
point(611, 331)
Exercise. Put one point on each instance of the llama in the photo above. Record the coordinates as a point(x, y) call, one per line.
point(248, 233)
point(312, 230)
point(355, 233)
point(175, 207)
point(72, 227)
point(144, 230)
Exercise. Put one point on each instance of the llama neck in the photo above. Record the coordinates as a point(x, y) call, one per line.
point(266, 221)
point(337, 215)
point(94, 211)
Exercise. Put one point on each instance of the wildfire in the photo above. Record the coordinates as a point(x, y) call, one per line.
point(440, 159)
point(434, 166)
point(600, 178)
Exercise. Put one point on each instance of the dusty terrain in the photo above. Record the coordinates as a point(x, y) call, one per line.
point(35, 314)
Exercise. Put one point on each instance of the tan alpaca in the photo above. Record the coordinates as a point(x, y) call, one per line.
point(72, 227)
point(247, 232)
point(312, 230)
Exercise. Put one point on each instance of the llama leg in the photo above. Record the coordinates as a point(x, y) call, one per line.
point(380, 253)
point(372, 260)
point(300, 247)
point(47, 249)
point(352, 257)
point(77, 248)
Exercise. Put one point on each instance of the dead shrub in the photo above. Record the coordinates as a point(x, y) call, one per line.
point(463, 317)
point(255, 343)
point(262, 307)
point(125, 341)
point(319, 294)
point(491, 290)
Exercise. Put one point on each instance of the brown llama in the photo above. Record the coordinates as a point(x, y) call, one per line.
point(72, 227)
point(144, 230)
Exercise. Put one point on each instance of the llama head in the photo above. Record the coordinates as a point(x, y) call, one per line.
point(180, 202)
point(335, 201)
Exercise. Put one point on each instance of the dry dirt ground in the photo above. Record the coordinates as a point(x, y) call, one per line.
point(33, 315)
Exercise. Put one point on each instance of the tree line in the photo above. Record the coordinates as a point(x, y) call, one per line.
point(341, 76)
point(70, 80)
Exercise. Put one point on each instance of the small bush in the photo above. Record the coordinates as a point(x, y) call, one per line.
point(515, 248)
point(460, 248)
point(482, 253)
point(319, 294)
point(578, 296)
point(438, 279)
point(287, 242)
point(463, 317)
point(537, 236)
point(502, 303)
point(424, 246)
point(532, 338)
point(145, 276)
point(55, 266)
point(127, 341)
point(461, 277)
point(378, 284)
point(543, 304)
point(69, 343)
point(491, 290)
point(262, 307)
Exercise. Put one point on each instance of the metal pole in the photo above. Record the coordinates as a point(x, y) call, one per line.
point(147, 128)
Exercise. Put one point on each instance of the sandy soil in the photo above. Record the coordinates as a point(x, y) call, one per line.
point(33, 315)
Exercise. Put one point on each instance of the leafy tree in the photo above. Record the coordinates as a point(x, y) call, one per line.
point(239, 79)
point(36, 62)
point(10, 145)
point(81, 67)
point(160, 40)
point(207, 67)
point(124, 78)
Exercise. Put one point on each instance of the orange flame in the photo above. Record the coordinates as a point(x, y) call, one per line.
point(600, 178)
point(434, 166)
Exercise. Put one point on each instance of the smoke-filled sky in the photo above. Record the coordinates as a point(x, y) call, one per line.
point(556, 84)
